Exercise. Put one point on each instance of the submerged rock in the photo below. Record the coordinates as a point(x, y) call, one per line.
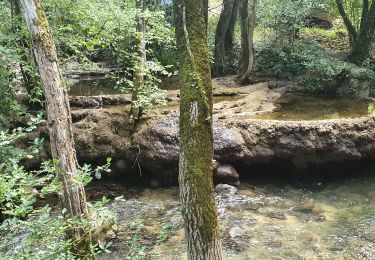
point(225, 189)
point(306, 206)
point(277, 215)
point(236, 232)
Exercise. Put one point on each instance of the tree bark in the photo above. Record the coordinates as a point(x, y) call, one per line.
point(230, 33)
point(349, 25)
point(139, 70)
point(224, 36)
point(29, 79)
point(205, 9)
point(248, 22)
point(72, 195)
point(360, 40)
point(362, 44)
point(196, 134)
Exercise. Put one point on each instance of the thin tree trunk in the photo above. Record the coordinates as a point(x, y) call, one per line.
point(230, 33)
point(248, 22)
point(363, 43)
point(139, 74)
point(72, 196)
point(360, 40)
point(222, 37)
point(205, 9)
point(349, 25)
point(29, 80)
point(196, 136)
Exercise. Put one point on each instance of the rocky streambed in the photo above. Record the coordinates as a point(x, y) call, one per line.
point(316, 218)
point(276, 213)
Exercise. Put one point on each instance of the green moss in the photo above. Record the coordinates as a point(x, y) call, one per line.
point(45, 35)
point(196, 140)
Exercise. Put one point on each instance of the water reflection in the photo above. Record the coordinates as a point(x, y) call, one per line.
point(294, 107)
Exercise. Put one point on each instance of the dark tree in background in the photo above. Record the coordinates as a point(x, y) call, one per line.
point(361, 39)
point(224, 37)
point(248, 22)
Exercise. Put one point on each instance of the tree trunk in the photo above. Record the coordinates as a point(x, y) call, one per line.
point(72, 196)
point(360, 40)
point(349, 25)
point(205, 9)
point(29, 79)
point(363, 43)
point(224, 36)
point(196, 137)
point(139, 70)
point(248, 22)
point(230, 33)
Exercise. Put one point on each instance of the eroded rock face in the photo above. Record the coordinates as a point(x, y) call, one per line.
point(153, 146)
point(250, 141)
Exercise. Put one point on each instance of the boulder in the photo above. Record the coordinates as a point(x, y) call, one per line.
point(227, 174)
point(319, 17)
point(225, 189)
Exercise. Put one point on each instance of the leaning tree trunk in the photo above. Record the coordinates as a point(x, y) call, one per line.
point(139, 70)
point(196, 137)
point(224, 36)
point(72, 196)
point(248, 20)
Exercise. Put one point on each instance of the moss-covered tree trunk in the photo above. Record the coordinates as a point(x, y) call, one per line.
point(196, 137)
point(139, 69)
point(72, 195)
point(224, 36)
point(248, 22)
point(361, 39)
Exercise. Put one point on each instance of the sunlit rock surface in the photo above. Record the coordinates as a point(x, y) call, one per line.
point(240, 139)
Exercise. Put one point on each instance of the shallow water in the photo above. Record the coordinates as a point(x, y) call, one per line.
point(175, 105)
point(294, 107)
point(93, 87)
point(313, 218)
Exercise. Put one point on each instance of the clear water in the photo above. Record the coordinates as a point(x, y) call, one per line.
point(313, 218)
point(296, 107)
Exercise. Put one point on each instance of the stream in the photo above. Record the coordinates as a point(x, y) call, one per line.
point(314, 217)
point(298, 107)
point(278, 215)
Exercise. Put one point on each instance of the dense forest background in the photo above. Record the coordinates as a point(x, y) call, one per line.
point(306, 41)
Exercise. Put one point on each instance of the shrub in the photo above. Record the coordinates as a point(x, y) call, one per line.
point(316, 71)
point(324, 77)
point(288, 62)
